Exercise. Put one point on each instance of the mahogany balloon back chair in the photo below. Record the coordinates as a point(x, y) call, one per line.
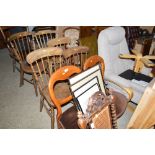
point(67, 119)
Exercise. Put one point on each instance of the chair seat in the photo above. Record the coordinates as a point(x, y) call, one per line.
point(69, 118)
point(27, 68)
point(58, 89)
point(120, 103)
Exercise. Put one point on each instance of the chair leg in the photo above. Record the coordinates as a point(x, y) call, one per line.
point(52, 118)
point(21, 77)
point(13, 64)
point(35, 85)
point(41, 103)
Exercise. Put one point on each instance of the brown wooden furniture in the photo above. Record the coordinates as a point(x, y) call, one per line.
point(76, 56)
point(144, 115)
point(120, 100)
point(19, 44)
point(41, 38)
point(62, 42)
point(44, 62)
point(67, 119)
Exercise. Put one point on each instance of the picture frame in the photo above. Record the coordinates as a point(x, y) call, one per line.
point(84, 85)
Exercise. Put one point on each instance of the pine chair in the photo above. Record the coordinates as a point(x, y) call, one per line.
point(20, 45)
point(59, 42)
point(74, 34)
point(50, 59)
point(67, 119)
point(41, 38)
point(144, 114)
point(76, 56)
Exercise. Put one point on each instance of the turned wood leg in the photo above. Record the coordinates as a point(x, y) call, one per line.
point(35, 85)
point(113, 114)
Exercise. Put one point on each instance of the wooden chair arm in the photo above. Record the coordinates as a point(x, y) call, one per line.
point(137, 53)
point(147, 62)
point(128, 90)
point(127, 56)
point(152, 57)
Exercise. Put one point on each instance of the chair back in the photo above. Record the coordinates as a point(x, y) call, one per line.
point(44, 62)
point(61, 74)
point(94, 60)
point(76, 56)
point(41, 38)
point(21, 44)
point(112, 43)
point(74, 34)
point(59, 42)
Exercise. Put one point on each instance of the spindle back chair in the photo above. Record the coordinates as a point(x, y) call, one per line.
point(20, 45)
point(44, 62)
point(76, 56)
point(59, 42)
point(41, 38)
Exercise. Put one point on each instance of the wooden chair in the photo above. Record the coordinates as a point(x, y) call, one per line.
point(50, 59)
point(19, 44)
point(59, 42)
point(144, 114)
point(41, 38)
point(76, 56)
point(74, 34)
point(121, 101)
point(67, 119)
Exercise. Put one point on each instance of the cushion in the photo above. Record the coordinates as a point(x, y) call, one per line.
point(69, 118)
